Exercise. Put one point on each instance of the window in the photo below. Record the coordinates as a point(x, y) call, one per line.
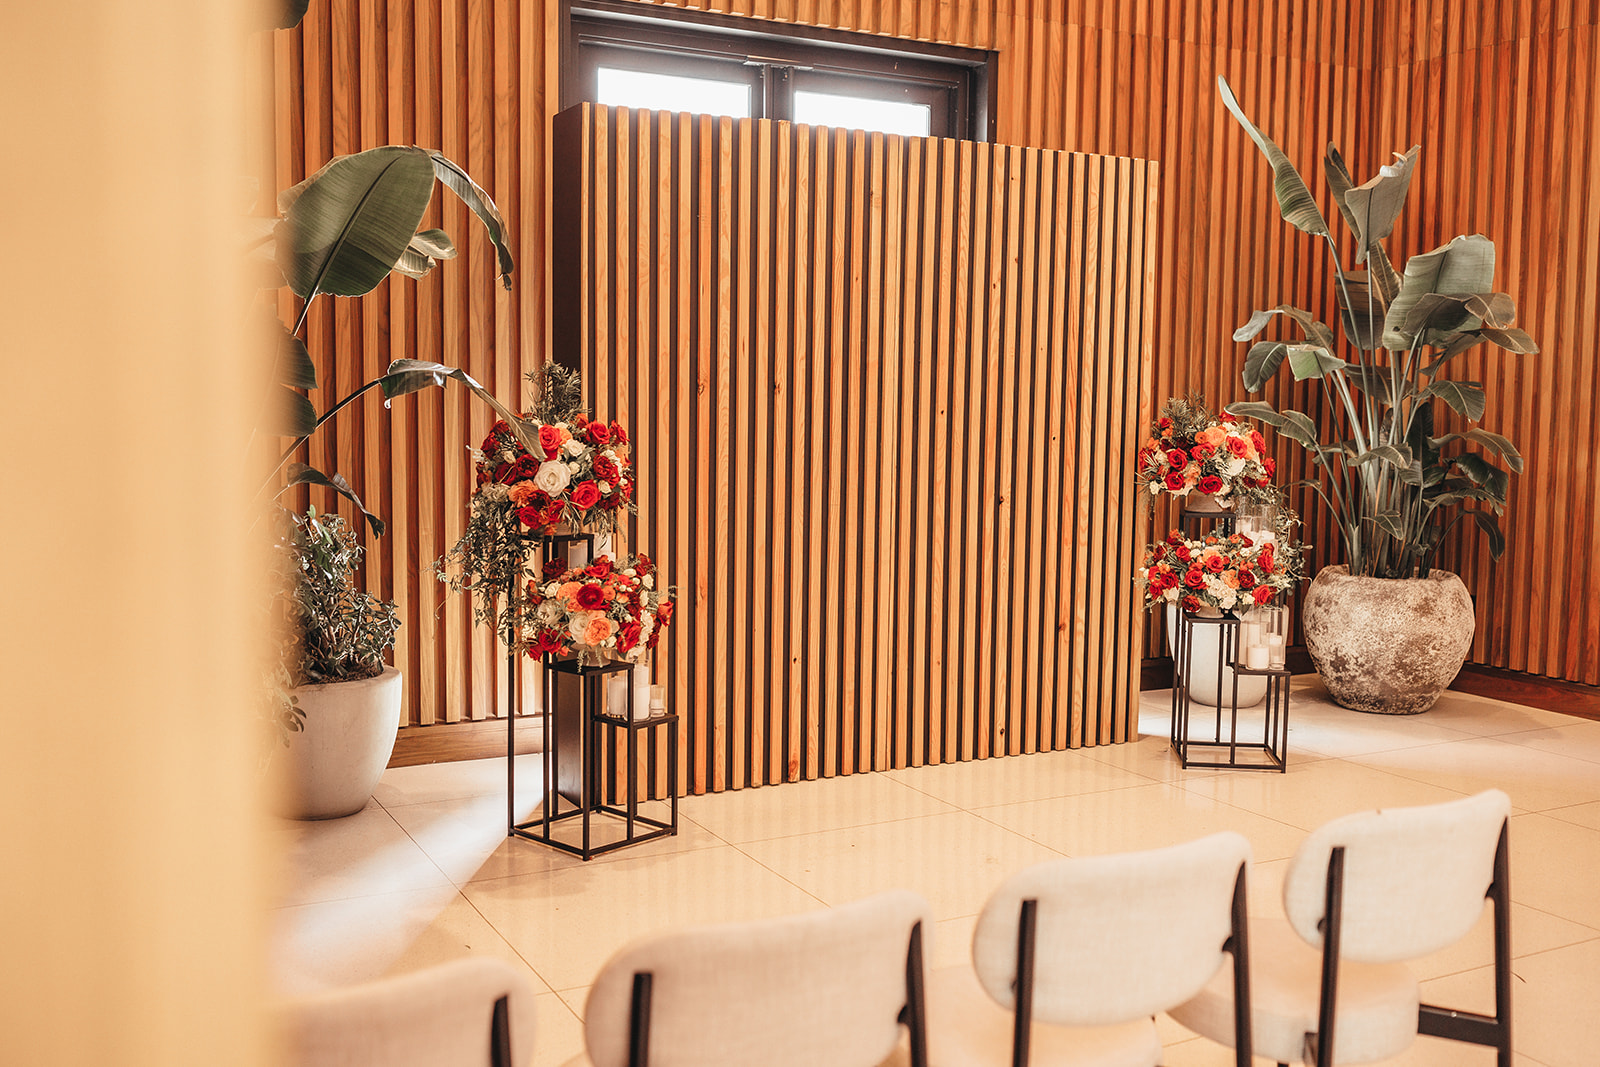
point(646, 56)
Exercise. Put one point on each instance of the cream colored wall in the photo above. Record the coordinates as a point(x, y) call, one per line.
point(131, 865)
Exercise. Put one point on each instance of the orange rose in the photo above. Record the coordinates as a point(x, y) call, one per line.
point(598, 630)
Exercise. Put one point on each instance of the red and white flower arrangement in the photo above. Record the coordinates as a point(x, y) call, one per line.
point(1191, 450)
point(582, 476)
point(610, 608)
point(1221, 572)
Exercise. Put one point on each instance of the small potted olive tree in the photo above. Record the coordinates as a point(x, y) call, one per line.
point(333, 641)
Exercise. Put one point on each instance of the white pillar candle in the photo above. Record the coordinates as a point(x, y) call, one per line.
point(1275, 651)
point(1249, 635)
point(1255, 657)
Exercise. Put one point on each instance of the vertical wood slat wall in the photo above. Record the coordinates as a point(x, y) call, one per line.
point(880, 390)
point(1116, 77)
point(1506, 104)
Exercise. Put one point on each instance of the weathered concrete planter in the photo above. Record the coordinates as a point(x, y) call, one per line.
point(331, 767)
point(1387, 645)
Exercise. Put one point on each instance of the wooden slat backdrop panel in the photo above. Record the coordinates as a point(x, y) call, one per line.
point(1133, 79)
point(850, 511)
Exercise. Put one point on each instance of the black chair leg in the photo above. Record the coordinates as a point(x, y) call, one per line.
point(1026, 928)
point(1333, 904)
point(639, 1022)
point(1238, 945)
point(500, 1034)
point(915, 1013)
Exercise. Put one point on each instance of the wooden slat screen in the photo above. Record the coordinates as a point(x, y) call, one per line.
point(1113, 77)
point(881, 391)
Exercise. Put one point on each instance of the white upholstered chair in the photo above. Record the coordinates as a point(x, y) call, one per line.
point(1363, 894)
point(474, 1012)
point(826, 987)
point(1072, 958)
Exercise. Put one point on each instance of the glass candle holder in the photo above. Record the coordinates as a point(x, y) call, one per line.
point(1277, 636)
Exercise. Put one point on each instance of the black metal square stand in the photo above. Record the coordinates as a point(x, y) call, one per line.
point(1274, 746)
point(579, 777)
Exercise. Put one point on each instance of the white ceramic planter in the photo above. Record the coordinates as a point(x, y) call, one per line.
point(331, 767)
point(1206, 685)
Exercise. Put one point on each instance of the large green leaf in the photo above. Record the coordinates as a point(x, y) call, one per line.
point(1512, 340)
point(1393, 455)
point(461, 183)
point(1315, 331)
point(413, 375)
point(1376, 382)
point(1262, 363)
point(301, 474)
point(1295, 202)
point(1363, 307)
point(1340, 182)
point(1291, 424)
point(290, 414)
point(1495, 443)
point(1490, 526)
point(349, 223)
point(1464, 397)
point(1393, 524)
point(1484, 473)
point(1462, 267)
point(427, 247)
point(292, 364)
point(1312, 361)
point(1376, 203)
point(1443, 314)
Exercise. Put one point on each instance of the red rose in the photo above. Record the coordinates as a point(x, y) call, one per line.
point(1263, 594)
point(591, 597)
point(1174, 481)
point(1228, 417)
point(552, 514)
point(1238, 446)
point(643, 565)
point(584, 495)
point(618, 434)
point(500, 471)
point(628, 637)
point(1164, 423)
point(664, 613)
point(1216, 564)
point(1177, 459)
point(1259, 441)
point(1202, 452)
point(550, 441)
point(579, 421)
point(606, 470)
point(547, 643)
point(522, 470)
point(600, 568)
point(1191, 603)
point(530, 516)
point(1182, 552)
point(1210, 484)
point(1195, 579)
point(597, 434)
point(554, 568)
point(1271, 465)
point(1174, 538)
point(626, 488)
point(1247, 578)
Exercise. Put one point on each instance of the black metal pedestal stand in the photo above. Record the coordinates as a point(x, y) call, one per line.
point(584, 796)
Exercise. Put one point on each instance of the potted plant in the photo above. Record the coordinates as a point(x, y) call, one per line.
point(1388, 631)
point(333, 641)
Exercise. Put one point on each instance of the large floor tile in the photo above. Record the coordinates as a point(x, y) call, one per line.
point(1555, 1009)
point(979, 783)
point(1308, 796)
point(1579, 815)
point(364, 853)
point(431, 782)
point(808, 807)
point(1534, 778)
point(341, 942)
point(954, 860)
point(568, 922)
point(1149, 816)
point(1487, 717)
point(467, 839)
point(558, 1032)
point(1151, 756)
point(1555, 867)
point(1317, 726)
point(1577, 738)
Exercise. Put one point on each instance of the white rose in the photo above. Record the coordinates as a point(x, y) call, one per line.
point(574, 447)
point(550, 612)
point(1155, 487)
point(648, 581)
point(579, 623)
point(552, 477)
point(1235, 466)
point(605, 487)
point(629, 572)
point(572, 468)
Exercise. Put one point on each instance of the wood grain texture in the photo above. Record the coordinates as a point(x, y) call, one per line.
point(1500, 93)
point(813, 534)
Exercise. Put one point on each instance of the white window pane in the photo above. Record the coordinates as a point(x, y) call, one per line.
point(861, 113)
point(669, 92)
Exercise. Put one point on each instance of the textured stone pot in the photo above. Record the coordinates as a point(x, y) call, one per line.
point(1387, 645)
point(331, 767)
point(1206, 684)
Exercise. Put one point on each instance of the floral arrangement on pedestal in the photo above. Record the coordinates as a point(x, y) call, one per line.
point(580, 477)
point(608, 609)
point(1192, 450)
point(1232, 572)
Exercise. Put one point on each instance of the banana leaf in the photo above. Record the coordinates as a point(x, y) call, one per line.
point(1295, 202)
point(1363, 308)
point(1376, 203)
point(1291, 424)
point(1465, 398)
point(1464, 266)
point(302, 474)
point(1493, 442)
point(461, 183)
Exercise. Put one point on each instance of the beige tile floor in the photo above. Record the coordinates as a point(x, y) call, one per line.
point(426, 873)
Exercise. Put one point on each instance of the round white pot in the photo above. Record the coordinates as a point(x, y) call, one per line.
point(1387, 645)
point(331, 767)
point(1206, 685)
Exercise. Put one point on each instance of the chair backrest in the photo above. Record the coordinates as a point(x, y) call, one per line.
point(1118, 937)
point(823, 987)
point(441, 1015)
point(1414, 878)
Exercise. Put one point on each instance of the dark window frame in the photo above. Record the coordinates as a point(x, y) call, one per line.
point(776, 58)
